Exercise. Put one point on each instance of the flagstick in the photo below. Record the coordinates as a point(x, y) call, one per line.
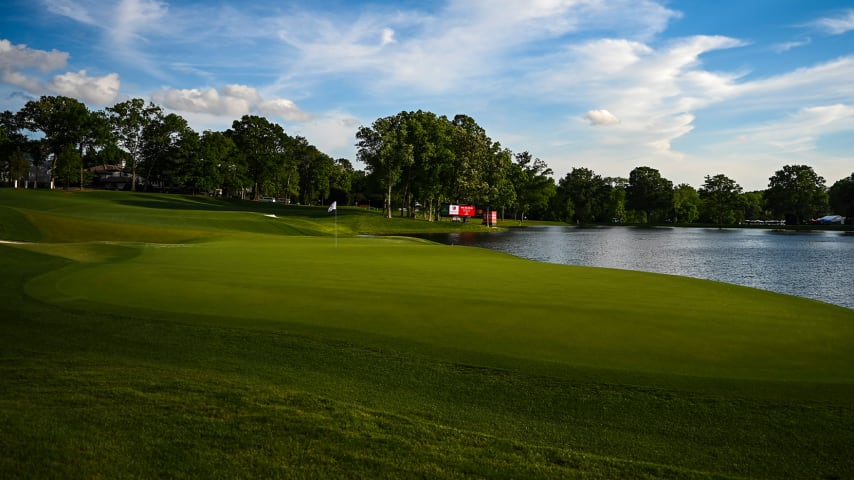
point(336, 227)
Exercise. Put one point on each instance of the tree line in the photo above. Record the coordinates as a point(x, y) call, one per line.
point(160, 152)
point(414, 162)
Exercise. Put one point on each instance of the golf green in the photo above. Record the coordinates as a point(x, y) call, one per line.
point(165, 336)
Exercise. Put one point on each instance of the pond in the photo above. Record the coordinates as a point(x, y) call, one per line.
point(815, 264)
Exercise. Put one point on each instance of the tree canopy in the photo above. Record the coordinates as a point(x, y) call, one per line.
point(414, 162)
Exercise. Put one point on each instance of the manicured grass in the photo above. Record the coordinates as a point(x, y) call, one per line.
point(149, 335)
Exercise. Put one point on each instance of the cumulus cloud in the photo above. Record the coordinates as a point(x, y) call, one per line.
point(283, 108)
point(601, 117)
point(95, 90)
point(18, 63)
point(208, 101)
point(231, 100)
point(18, 79)
point(20, 57)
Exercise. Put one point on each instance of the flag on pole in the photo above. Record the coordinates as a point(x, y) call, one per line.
point(333, 207)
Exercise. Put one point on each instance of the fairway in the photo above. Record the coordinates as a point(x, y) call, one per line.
point(264, 345)
point(474, 300)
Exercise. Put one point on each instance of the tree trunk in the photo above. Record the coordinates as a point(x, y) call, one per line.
point(387, 205)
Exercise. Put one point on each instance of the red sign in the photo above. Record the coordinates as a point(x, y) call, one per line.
point(490, 218)
point(466, 210)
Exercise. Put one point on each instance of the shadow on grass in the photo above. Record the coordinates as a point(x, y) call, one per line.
point(186, 202)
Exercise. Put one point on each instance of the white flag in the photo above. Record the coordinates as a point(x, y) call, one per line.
point(333, 207)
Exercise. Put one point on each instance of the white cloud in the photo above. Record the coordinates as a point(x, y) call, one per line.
point(463, 44)
point(15, 58)
point(233, 101)
point(821, 83)
point(601, 117)
point(387, 37)
point(101, 91)
point(128, 26)
point(244, 92)
point(800, 131)
point(785, 47)
point(131, 17)
point(71, 9)
point(283, 108)
point(18, 57)
point(18, 79)
point(209, 101)
point(332, 132)
point(842, 23)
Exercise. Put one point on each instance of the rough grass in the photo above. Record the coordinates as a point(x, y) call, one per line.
point(219, 347)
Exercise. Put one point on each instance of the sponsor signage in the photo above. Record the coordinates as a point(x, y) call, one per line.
point(490, 218)
point(453, 210)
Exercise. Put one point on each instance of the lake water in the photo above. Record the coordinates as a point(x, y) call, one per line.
point(817, 265)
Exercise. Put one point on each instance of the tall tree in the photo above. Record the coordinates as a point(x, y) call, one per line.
point(13, 144)
point(532, 183)
point(720, 195)
point(262, 145)
point(471, 148)
point(648, 192)
point(168, 148)
point(585, 196)
point(383, 148)
point(62, 120)
point(686, 204)
point(753, 205)
point(315, 171)
point(67, 164)
point(431, 172)
point(341, 182)
point(96, 135)
point(842, 197)
point(797, 193)
point(129, 120)
point(209, 170)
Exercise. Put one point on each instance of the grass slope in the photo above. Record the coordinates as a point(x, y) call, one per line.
point(225, 346)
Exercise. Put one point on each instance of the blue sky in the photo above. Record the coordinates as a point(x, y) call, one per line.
point(692, 88)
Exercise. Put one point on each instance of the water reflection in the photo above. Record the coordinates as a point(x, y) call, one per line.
point(809, 264)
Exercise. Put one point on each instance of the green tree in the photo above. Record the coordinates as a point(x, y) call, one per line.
point(383, 148)
point(13, 161)
point(533, 185)
point(797, 193)
point(216, 153)
point(471, 148)
point(585, 196)
point(262, 146)
point(129, 120)
point(67, 164)
point(648, 192)
point(842, 197)
point(753, 205)
point(315, 170)
point(616, 210)
point(432, 160)
point(686, 204)
point(341, 182)
point(169, 147)
point(720, 195)
point(63, 121)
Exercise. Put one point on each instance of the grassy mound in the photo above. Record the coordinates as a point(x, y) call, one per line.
point(151, 335)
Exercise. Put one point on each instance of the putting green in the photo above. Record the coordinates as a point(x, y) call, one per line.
point(466, 299)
